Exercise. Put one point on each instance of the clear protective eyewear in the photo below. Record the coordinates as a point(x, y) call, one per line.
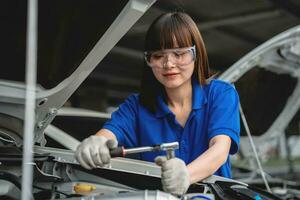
point(178, 56)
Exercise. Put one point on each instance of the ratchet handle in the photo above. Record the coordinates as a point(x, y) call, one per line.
point(117, 152)
point(170, 154)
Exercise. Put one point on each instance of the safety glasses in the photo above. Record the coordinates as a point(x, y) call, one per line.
point(178, 56)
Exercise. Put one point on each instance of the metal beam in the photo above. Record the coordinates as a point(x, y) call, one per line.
point(229, 21)
point(240, 19)
point(31, 62)
point(288, 6)
point(130, 53)
point(238, 34)
point(115, 79)
point(56, 97)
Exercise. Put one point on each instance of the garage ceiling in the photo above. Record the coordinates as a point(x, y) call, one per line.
point(69, 29)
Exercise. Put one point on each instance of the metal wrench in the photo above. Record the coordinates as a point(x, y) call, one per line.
point(168, 147)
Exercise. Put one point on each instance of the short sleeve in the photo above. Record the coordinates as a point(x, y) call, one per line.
point(224, 115)
point(123, 122)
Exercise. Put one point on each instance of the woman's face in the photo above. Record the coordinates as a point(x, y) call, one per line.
point(173, 73)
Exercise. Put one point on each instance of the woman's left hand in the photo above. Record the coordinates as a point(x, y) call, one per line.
point(175, 176)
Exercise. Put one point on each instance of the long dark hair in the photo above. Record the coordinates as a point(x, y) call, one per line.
point(162, 34)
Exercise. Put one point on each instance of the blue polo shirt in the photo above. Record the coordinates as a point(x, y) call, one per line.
point(214, 112)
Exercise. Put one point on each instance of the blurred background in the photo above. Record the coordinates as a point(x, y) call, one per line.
point(68, 30)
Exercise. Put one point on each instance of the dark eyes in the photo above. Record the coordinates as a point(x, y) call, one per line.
point(177, 54)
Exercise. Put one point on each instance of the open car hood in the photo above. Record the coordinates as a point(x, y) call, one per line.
point(47, 103)
point(279, 55)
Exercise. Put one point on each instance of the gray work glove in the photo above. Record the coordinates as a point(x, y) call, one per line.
point(175, 176)
point(94, 151)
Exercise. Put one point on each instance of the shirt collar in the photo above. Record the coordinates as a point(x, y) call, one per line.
point(199, 99)
point(162, 108)
point(199, 95)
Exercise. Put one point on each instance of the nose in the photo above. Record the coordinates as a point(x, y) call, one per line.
point(167, 63)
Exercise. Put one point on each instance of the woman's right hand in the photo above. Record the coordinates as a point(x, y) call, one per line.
point(94, 151)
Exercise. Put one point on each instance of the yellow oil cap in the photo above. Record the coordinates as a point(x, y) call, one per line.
point(80, 188)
